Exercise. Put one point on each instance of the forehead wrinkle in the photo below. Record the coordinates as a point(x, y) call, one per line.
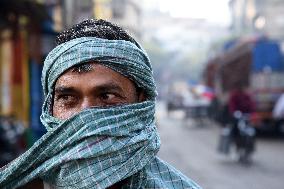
point(99, 68)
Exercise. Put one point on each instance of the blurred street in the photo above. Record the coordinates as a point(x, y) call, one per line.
point(220, 59)
point(192, 150)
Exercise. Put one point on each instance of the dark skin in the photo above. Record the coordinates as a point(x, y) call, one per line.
point(99, 87)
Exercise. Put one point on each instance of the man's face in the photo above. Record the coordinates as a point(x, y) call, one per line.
point(101, 86)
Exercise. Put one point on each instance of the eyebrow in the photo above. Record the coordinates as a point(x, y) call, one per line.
point(103, 87)
point(109, 86)
point(63, 89)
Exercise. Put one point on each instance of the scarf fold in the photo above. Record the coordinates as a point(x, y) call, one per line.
point(99, 146)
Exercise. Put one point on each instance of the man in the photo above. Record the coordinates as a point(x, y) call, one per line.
point(239, 101)
point(99, 112)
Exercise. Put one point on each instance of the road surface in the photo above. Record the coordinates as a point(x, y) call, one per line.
point(192, 150)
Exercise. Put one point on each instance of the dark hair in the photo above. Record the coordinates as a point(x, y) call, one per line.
point(95, 28)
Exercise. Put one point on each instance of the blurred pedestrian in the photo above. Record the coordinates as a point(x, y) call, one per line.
point(278, 114)
point(239, 101)
point(99, 112)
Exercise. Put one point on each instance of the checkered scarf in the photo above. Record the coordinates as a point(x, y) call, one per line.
point(99, 146)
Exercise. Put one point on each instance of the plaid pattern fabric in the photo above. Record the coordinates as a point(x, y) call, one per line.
point(160, 175)
point(99, 146)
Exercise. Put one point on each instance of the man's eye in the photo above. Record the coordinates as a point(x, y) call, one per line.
point(107, 96)
point(66, 98)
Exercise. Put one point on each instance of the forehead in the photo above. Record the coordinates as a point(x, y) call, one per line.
point(91, 74)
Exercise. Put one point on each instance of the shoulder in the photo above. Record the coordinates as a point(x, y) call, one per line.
point(162, 175)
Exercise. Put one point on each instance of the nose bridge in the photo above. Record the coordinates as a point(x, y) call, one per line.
point(87, 102)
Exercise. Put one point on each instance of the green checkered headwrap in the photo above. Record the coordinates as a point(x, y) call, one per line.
point(97, 147)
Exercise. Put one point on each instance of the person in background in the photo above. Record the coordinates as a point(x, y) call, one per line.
point(278, 113)
point(239, 100)
point(99, 112)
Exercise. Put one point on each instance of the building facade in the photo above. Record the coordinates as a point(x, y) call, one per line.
point(262, 17)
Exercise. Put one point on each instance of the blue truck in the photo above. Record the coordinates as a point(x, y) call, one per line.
point(257, 65)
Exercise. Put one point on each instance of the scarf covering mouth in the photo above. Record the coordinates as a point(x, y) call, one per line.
point(97, 147)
